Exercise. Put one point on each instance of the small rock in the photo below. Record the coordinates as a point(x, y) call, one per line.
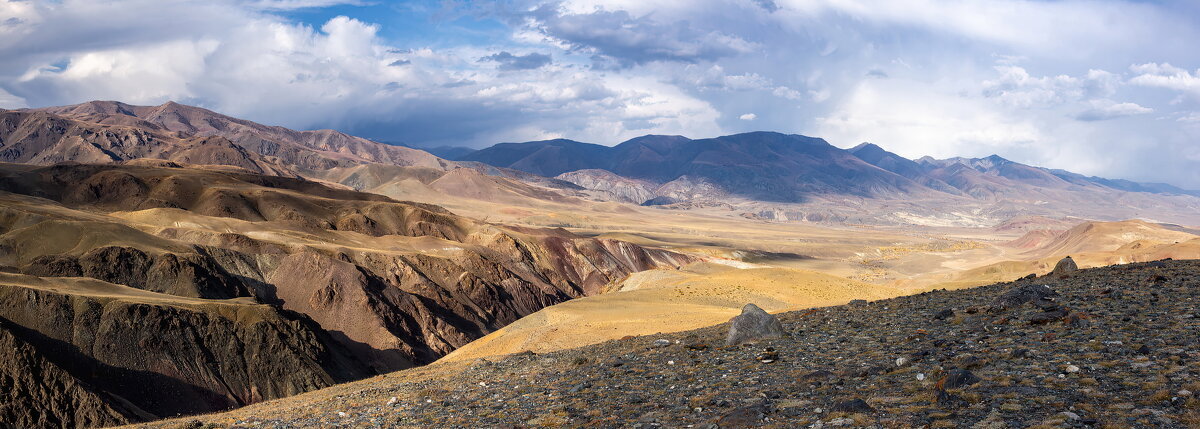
point(957, 378)
point(1070, 416)
point(751, 415)
point(920, 376)
point(944, 314)
point(1015, 297)
point(752, 325)
point(969, 361)
point(841, 421)
point(1072, 369)
point(697, 346)
point(1184, 392)
point(580, 387)
point(853, 406)
point(948, 400)
point(902, 361)
point(1144, 350)
point(392, 401)
point(660, 343)
point(194, 424)
point(857, 303)
point(769, 355)
point(819, 374)
point(1047, 317)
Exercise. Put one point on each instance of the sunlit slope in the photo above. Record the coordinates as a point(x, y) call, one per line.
point(669, 301)
point(1090, 244)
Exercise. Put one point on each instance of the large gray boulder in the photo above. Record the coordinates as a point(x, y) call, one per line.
point(1064, 266)
point(752, 325)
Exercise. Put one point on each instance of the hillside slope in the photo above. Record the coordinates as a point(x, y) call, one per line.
point(206, 266)
point(1104, 347)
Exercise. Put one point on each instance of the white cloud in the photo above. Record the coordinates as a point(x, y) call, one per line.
point(9, 101)
point(941, 124)
point(1107, 109)
point(1166, 76)
point(1017, 88)
point(748, 117)
point(344, 75)
point(301, 4)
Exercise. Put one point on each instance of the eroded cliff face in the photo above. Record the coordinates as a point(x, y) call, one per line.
point(165, 356)
point(182, 291)
point(36, 393)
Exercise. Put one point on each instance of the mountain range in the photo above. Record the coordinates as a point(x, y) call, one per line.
point(793, 177)
point(764, 174)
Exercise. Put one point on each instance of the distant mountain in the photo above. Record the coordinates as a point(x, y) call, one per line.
point(448, 152)
point(547, 158)
point(761, 165)
point(791, 177)
point(908, 168)
point(37, 137)
point(761, 174)
point(303, 150)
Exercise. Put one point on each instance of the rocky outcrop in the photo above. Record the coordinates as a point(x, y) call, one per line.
point(620, 188)
point(36, 393)
point(754, 324)
point(1064, 266)
point(190, 275)
point(167, 356)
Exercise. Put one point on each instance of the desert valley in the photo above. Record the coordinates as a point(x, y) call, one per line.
point(717, 214)
point(168, 260)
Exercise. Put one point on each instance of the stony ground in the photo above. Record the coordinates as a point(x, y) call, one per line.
point(1109, 347)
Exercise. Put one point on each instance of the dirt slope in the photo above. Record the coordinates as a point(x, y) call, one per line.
point(1086, 351)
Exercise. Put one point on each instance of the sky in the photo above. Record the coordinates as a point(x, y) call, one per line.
point(1099, 87)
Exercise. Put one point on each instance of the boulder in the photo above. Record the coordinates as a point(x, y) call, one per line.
point(1015, 297)
point(752, 325)
point(1064, 266)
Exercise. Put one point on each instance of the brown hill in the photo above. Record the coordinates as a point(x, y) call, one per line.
point(386, 284)
point(305, 150)
point(35, 137)
point(1104, 347)
point(1108, 236)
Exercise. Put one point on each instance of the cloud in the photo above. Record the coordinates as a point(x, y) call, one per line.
point(1166, 76)
point(1104, 110)
point(1030, 80)
point(941, 125)
point(617, 39)
point(748, 117)
point(343, 75)
point(285, 5)
point(509, 61)
point(1017, 88)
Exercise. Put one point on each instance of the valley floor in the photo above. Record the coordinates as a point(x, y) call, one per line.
point(1117, 346)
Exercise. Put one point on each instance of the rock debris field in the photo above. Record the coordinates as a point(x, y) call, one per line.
point(1111, 347)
